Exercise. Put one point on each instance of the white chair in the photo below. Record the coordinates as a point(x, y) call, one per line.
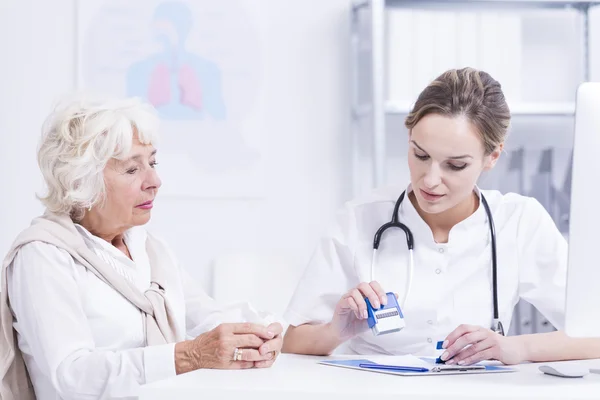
point(266, 281)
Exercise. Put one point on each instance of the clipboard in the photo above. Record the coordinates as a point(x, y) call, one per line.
point(424, 370)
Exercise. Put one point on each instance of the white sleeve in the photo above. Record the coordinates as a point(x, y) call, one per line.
point(543, 253)
point(50, 319)
point(329, 275)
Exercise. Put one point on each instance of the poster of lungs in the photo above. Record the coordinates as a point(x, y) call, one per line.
point(198, 63)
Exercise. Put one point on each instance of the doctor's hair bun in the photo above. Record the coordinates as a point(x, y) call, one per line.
point(470, 93)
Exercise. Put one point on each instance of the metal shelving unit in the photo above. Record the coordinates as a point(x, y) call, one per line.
point(377, 110)
point(369, 118)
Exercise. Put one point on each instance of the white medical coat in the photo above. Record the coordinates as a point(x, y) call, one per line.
point(452, 282)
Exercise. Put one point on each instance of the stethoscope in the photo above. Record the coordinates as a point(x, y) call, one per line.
point(394, 223)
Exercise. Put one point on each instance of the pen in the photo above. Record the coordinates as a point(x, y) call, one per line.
point(393, 367)
point(445, 368)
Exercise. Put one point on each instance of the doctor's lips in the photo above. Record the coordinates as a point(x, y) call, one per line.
point(431, 196)
point(145, 206)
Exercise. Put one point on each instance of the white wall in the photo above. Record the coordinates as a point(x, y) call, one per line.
point(307, 156)
point(37, 66)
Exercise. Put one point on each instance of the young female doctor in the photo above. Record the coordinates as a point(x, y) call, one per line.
point(460, 235)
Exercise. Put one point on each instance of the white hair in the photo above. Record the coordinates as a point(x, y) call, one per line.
point(78, 139)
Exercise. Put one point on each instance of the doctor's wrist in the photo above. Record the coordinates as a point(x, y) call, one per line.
point(520, 347)
point(333, 335)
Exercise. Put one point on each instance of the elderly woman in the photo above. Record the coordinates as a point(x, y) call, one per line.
point(93, 306)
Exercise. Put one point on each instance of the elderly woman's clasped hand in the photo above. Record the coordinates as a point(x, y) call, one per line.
point(231, 346)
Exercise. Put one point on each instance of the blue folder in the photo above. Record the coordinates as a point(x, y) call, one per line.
point(414, 370)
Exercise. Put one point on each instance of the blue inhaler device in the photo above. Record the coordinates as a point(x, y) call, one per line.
point(386, 319)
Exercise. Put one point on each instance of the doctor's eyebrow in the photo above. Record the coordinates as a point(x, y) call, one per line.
point(451, 158)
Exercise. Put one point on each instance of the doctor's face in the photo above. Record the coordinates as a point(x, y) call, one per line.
point(445, 158)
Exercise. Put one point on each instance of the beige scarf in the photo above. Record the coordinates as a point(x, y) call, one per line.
point(59, 230)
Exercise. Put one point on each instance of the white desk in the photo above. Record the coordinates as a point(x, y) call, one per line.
point(301, 378)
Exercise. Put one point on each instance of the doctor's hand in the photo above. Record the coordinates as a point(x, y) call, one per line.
point(350, 315)
point(469, 344)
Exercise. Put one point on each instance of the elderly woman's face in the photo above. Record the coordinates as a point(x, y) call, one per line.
point(131, 186)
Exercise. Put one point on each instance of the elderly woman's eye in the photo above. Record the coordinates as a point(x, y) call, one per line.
point(131, 170)
point(153, 164)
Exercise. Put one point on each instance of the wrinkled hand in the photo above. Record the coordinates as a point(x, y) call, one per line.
point(215, 348)
point(469, 344)
point(271, 348)
point(351, 311)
